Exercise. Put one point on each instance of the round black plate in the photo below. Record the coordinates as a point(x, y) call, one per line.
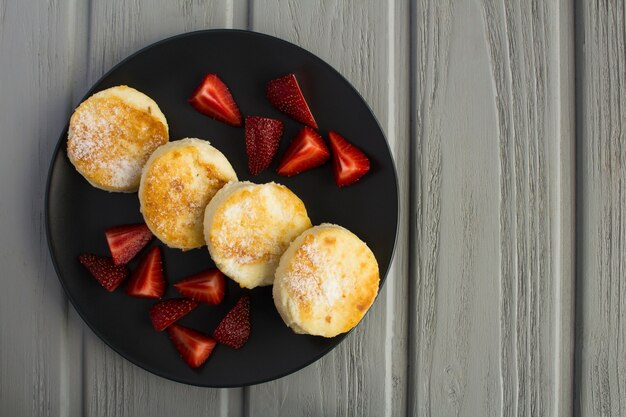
point(168, 71)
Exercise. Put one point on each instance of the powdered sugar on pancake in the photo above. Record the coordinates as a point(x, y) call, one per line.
point(109, 141)
point(241, 238)
point(311, 275)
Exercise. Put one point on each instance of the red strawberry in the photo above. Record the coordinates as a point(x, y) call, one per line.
point(234, 329)
point(213, 98)
point(262, 139)
point(349, 162)
point(147, 280)
point(206, 287)
point(284, 93)
point(126, 241)
point(164, 313)
point(307, 151)
point(194, 347)
point(104, 270)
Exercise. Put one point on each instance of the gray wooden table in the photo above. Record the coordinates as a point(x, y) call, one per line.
point(507, 120)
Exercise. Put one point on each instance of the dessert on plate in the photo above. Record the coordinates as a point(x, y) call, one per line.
point(248, 227)
point(111, 136)
point(177, 183)
point(325, 282)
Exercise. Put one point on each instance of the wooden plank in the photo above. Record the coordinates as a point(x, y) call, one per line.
point(131, 25)
point(113, 386)
point(37, 343)
point(492, 210)
point(368, 43)
point(601, 111)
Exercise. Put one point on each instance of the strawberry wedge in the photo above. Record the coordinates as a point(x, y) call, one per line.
point(194, 347)
point(126, 241)
point(234, 329)
point(164, 313)
point(207, 287)
point(305, 152)
point(284, 93)
point(349, 162)
point(109, 275)
point(262, 138)
point(213, 99)
point(147, 281)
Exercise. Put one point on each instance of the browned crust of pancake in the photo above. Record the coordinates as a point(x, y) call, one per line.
point(106, 135)
point(165, 182)
point(327, 283)
point(253, 247)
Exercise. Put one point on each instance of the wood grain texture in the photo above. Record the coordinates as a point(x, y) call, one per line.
point(601, 330)
point(489, 208)
point(477, 101)
point(368, 43)
point(36, 344)
point(112, 385)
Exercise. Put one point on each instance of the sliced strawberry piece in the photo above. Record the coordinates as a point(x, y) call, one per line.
point(194, 347)
point(234, 329)
point(166, 312)
point(213, 98)
point(262, 139)
point(305, 152)
point(126, 241)
point(349, 162)
point(284, 93)
point(104, 270)
point(206, 287)
point(147, 280)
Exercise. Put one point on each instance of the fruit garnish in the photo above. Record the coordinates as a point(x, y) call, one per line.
point(262, 138)
point(205, 287)
point(213, 99)
point(109, 275)
point(147, 280)
point(284, 93)
point(349, 162)
point(194, 347)
point(126, 241)
point(166, 312)
point(305, 152)
point(234, 329)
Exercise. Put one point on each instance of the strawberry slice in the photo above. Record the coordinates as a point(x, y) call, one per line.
point(194, 347)
point(262, 139)
point(126, 241)
point(349, 162)
point(305, 152)
point(213, 98)
point(284, 93)
point(166, 312)
point(104, 270)
point(147, 281)
point(234, 329)
point(206, 287)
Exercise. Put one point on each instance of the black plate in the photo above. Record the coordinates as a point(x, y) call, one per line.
point(168, 71)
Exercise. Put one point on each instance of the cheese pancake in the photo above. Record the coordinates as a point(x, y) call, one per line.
point(325, 282)
point(248, 227)
point(111, 136)
point(177, 183)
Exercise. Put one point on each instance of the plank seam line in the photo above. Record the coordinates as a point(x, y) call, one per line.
point(578, 30)
point(560, 374)
point(391, 133)
point(411, 381)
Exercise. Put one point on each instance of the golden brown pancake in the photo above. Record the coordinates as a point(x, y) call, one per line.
point(325, 282)
point(248, 227)
point(111, 136)
point(177, 183)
